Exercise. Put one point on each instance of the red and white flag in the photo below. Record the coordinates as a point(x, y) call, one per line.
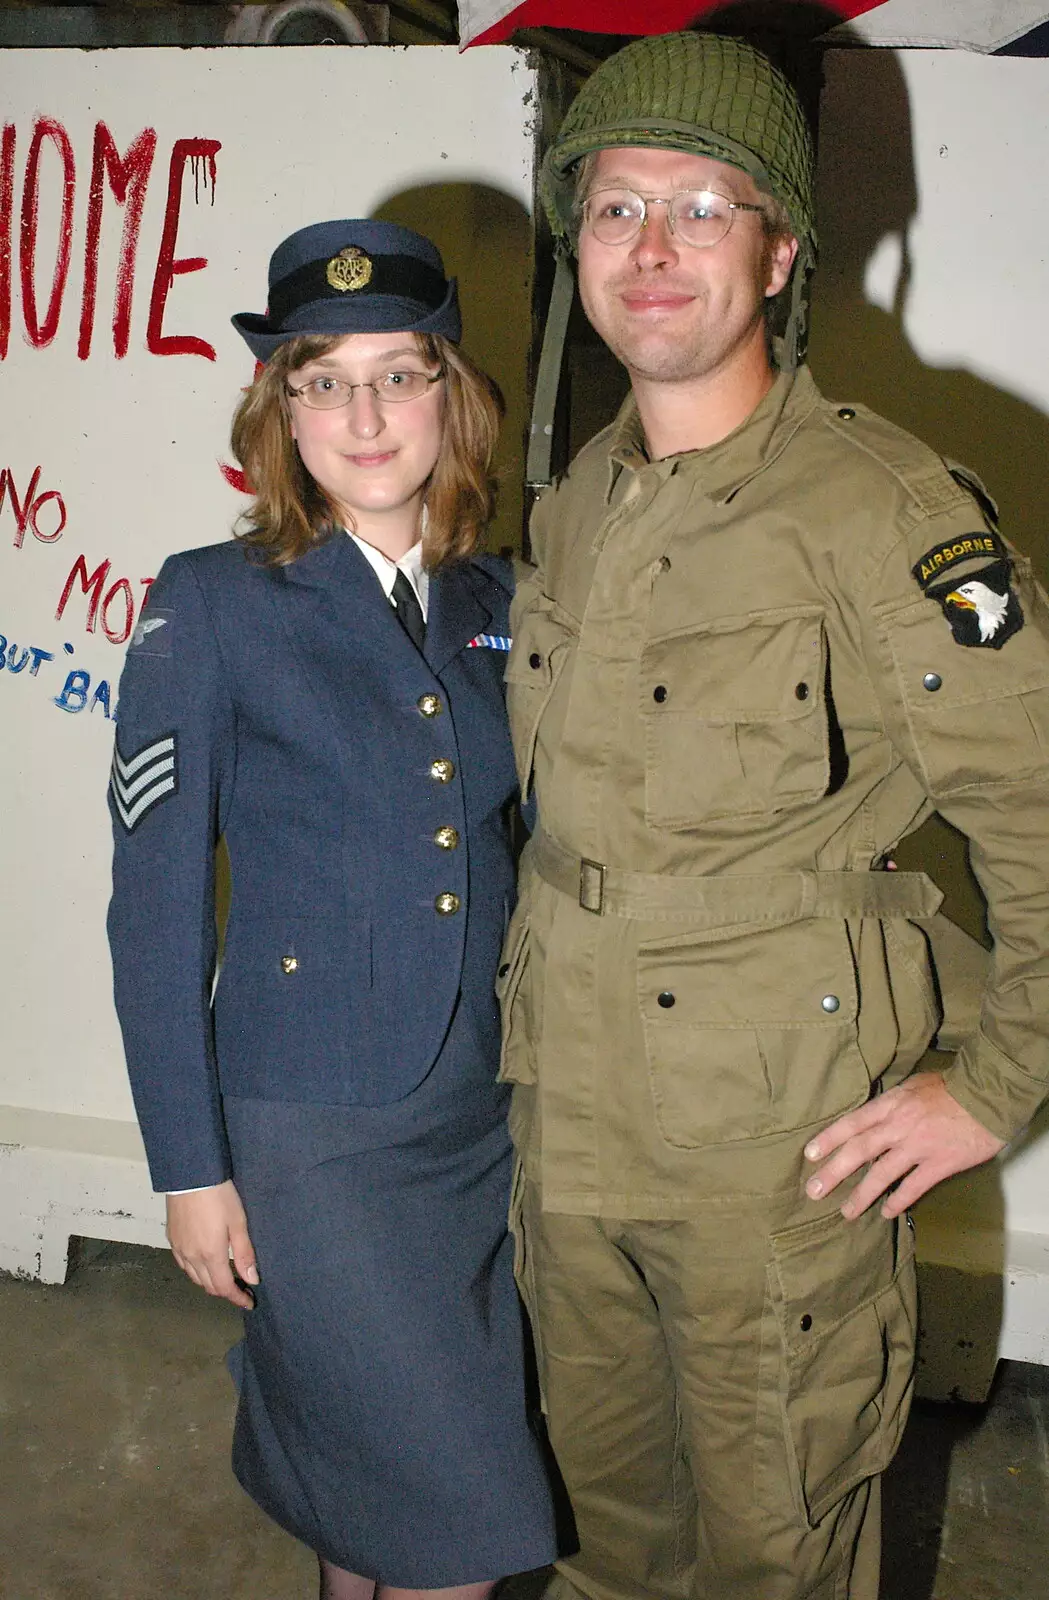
point(984, 25)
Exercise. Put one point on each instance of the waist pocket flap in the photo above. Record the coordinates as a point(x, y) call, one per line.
point(845, 1300)
point(517, 1052)
point(735, 717)
point(751, 1032)
point(539, 652)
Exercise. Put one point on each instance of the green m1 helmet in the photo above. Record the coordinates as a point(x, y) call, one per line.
point(696, 92)
point(700, 93)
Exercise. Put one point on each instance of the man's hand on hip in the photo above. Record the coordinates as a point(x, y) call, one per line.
point(911, 1137)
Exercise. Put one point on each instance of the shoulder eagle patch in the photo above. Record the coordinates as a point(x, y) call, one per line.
point(977, 600)
point(139, 782)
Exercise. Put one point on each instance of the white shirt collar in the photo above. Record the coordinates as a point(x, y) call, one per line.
point(411, 564)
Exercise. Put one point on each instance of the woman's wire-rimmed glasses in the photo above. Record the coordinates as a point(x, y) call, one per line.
point(698, 217)
point(326, 393)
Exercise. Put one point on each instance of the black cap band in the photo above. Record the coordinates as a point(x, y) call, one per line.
point(403, 277)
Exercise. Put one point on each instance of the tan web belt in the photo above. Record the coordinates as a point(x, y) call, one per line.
point(729, 898)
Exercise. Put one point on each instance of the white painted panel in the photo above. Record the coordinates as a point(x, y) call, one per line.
point(128, 450)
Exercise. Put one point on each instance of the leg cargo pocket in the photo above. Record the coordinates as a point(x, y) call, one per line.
point(845, 1304)
point(524, 1270)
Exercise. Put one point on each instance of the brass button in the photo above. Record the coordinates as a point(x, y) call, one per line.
point(442, 770)
point(289, 964)
point(446, 838)
point(846, 413)
point(932, 681)
point(659, 693)
point(429, 705)
point(446, 905)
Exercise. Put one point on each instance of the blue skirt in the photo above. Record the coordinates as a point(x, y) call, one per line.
point(382, 1416)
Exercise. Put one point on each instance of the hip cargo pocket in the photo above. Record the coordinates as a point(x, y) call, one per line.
point(750, 1032)
point(844, 1299)
point(517, 1050)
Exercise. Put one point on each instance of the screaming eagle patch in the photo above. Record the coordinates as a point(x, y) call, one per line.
point(978, 602)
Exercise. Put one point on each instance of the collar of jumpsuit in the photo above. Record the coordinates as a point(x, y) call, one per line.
point(734, 460)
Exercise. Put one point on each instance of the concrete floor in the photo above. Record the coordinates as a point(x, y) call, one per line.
point(114, 1483)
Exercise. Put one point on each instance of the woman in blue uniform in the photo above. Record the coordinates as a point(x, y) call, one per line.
point(325, 692)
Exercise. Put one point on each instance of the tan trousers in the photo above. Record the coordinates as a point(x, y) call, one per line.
point(721, 1394)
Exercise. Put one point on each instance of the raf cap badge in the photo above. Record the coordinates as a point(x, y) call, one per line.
point(979, 602)
point(350, 269)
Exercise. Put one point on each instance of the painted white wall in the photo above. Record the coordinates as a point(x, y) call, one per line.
point(133, 446)
point(930, 306)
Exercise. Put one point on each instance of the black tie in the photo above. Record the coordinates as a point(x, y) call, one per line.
point(410, 612)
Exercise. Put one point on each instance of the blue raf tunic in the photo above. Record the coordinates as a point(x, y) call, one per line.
point(342, 1068)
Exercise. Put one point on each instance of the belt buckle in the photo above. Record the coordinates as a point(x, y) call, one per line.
point(591, 885)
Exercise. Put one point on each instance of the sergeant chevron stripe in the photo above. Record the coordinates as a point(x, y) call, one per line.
point(139, 782)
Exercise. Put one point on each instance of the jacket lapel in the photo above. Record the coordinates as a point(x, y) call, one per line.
point(457, 613)
point(338, 620)
point(337, 573)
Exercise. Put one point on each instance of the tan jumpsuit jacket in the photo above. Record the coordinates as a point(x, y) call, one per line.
point(739, 676)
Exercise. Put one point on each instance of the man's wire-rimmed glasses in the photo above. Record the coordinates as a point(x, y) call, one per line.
point(698, 217)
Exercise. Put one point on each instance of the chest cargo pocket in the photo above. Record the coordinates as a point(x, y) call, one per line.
point(540, 649)
point(979, 715)
point(517, 1052)
point(837, 1359)
point(735, 718)
point(751, 1032)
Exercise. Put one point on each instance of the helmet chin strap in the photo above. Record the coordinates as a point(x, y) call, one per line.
point(548, 377)
point(796, 333)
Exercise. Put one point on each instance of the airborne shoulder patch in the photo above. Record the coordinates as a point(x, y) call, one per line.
point(978, 602)
point(938, 561)
point(140, 781)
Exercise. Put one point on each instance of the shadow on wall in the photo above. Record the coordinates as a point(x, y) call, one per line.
point(485, 238)
point(866, 192)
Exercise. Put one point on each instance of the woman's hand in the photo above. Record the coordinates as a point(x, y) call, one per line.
point(206, 1227)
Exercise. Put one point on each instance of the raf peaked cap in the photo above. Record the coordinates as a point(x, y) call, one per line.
point(354, 276)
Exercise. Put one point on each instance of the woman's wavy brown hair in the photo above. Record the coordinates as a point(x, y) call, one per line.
point(291, 513)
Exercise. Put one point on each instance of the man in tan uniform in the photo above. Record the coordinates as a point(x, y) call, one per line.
point(765, 637)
